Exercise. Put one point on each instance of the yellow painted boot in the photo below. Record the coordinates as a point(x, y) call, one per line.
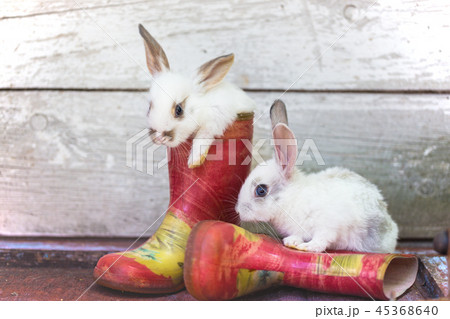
point(206, 192)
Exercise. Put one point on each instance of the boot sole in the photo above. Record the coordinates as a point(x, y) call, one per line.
point(130, 288)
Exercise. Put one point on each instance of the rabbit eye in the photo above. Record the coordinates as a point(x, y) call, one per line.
point(178, 110)
point(261, 190)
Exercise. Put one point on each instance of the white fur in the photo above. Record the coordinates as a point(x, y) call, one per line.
point(207, 114)
point(334, 209)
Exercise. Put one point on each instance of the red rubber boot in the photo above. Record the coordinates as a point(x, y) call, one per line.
point(224, 261)
point(205, 192)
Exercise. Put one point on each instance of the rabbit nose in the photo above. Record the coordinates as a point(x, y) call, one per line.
point(157, 136)
point(162, 137)
point(168, 135)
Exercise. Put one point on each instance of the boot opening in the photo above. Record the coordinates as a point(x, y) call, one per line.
point(399, 276)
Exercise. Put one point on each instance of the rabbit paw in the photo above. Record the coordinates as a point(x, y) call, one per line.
point(197, 159)
point(293, 241)
point(313, 246)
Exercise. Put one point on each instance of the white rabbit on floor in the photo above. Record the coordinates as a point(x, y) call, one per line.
point(199, 107)
point(335, 209)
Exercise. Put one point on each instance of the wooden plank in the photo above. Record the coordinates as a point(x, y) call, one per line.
point(67, 152)
point(415, 247)
point(68, 244)
point(51, 284)
point(437, 266)
point(25, 8)
point(426, 284)
point(64, 284)
point(60, 252)
point(392, 45)
point(63, 161)
point(27, 265)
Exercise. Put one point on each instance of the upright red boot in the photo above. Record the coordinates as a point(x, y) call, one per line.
point(205, 192)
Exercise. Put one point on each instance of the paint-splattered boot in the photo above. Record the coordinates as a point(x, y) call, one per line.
point(224, 261)
point(202, 193)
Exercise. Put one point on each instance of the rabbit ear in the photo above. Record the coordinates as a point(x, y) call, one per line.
point(212, 73)
point(156, 58)
point(278, 113)
point(285, 145)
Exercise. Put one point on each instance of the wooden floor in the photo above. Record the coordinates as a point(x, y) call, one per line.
point(62, 270)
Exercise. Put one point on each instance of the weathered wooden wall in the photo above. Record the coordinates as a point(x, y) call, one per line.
point(73, 78)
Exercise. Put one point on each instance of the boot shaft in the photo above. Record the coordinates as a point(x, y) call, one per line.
point(210, 191)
